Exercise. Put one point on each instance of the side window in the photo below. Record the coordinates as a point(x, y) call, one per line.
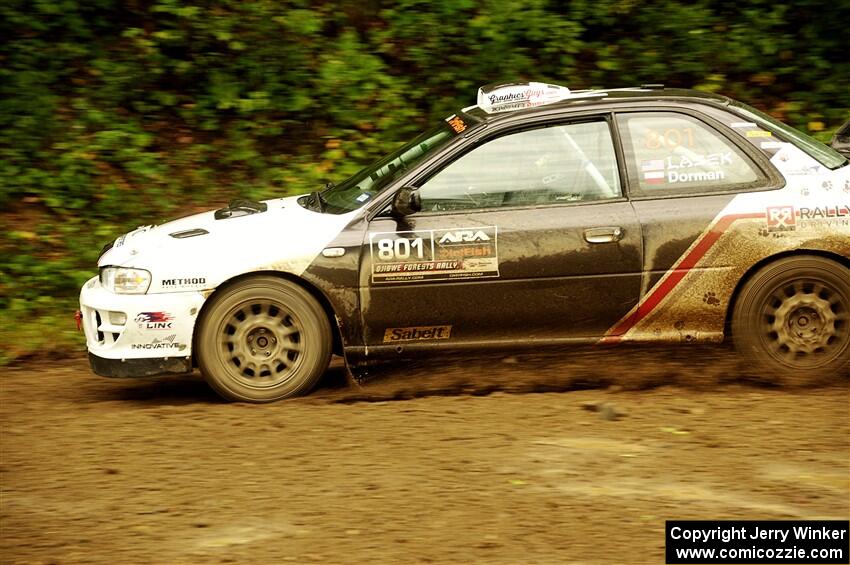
point(550, 165)
point(670, 153)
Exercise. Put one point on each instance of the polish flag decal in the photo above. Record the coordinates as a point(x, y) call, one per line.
point(653, 177)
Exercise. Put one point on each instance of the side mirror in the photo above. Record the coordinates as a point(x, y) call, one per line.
point(406, 201)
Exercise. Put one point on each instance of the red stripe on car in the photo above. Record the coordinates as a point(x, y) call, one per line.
point(675, 276)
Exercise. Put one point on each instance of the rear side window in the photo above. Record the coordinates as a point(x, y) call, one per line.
point(668, 153)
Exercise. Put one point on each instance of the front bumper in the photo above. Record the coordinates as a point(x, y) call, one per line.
point(134, 334)
point(139, 367)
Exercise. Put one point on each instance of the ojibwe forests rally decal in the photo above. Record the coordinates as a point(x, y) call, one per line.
point(429, 255)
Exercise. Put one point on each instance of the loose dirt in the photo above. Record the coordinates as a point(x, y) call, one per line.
point(519, 459)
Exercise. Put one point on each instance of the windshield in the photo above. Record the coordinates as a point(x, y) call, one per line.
point(365, 185)
point(827, 156)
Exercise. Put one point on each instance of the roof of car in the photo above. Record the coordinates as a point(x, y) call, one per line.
point(585, 98)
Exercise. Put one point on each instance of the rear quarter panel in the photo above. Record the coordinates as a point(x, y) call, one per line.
point(811, 213)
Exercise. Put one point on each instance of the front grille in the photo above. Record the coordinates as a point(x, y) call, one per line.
point(100, 326)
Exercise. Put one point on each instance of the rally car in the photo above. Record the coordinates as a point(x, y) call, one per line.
point(539, 216)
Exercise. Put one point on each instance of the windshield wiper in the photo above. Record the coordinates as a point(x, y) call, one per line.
point(317, 200)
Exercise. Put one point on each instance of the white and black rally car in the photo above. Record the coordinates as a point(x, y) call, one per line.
point(537, 217)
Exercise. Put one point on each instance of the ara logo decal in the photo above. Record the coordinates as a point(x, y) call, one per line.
point(781, 218)
point(463, 236)
point(154, 320)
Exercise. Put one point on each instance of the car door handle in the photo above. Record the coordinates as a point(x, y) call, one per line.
point(603, 235)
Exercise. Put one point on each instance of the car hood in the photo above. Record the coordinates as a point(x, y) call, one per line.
point(201, 251)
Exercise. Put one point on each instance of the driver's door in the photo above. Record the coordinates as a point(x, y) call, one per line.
point(524, 237)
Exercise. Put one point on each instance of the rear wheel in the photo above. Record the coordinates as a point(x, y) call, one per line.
point(792, 319)
point(262, 340)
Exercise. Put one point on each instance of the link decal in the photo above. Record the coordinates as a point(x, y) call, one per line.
point(445, 254)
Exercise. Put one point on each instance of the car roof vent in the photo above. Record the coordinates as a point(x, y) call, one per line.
point(189, 233)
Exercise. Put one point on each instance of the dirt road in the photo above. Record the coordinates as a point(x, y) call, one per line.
point(512, 461)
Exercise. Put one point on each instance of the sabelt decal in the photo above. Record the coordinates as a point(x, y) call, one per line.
point(445, 254)
point(759, 133)
point(154, 320)
point(417, 333)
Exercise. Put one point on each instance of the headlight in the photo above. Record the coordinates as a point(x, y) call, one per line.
point(124, 280)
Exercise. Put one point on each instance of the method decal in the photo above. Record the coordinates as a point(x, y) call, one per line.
point(191, 282)
point(418, 333)
point(434, 254)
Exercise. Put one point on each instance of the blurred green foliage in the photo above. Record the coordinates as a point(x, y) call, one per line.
point(119, 113)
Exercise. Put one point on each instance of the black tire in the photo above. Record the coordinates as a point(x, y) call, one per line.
point(792, 320)
point(262, 340)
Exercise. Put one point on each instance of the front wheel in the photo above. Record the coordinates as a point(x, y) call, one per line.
point(792, 319)
point(262, 340)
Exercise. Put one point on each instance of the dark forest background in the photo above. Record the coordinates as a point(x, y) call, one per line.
point(115, 114)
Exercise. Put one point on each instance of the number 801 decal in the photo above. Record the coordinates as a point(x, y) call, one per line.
point(434, 254)
point(390, 249)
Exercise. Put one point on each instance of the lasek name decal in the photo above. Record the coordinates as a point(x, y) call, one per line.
point(672, 170)
point(434, 254)
point(417, 333)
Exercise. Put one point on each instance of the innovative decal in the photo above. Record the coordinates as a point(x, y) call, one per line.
point(168, 342)
point(434, 254)
point(417, 333)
